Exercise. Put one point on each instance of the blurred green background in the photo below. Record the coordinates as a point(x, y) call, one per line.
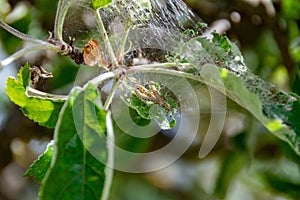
point(247, 163)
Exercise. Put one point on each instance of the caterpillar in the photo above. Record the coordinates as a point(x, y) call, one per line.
point(152, 96)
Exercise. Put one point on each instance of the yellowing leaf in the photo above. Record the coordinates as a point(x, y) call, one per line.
point(96, 4)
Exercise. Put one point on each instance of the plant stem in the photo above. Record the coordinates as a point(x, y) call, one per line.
point(107, 43)
point(26, 50)
point(162, 65)
point(62, 9)
point(122, 49)
point(156, 70)
point(19, 34)
point(150, 68)
point(111, 94)
point(109, 170)
point(136, 69)
point(99, 79)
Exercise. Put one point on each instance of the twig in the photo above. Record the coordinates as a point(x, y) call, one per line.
point(62, 9)
point(22, 52)
point(19, 34)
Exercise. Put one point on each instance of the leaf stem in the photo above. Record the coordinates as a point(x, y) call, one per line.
point(109, 170)
point(26, 50)
point(107, 43)
point(31, 92)
point(122, 49)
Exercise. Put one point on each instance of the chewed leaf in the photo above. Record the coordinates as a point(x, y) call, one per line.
point(275, 109)
point(96, 4)
point(164, 120)
point(279, 118)
point(137, 118)
point(294, 116)
point(45, 111)
point(39, 168)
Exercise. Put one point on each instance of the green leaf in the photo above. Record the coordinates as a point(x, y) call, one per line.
point(39, 168)
point(291, 9)
point(75, 173)
point(96, 4)
point(293, 117)
point(42, 110)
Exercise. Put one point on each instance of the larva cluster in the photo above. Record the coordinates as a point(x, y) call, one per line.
point(151, 95)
